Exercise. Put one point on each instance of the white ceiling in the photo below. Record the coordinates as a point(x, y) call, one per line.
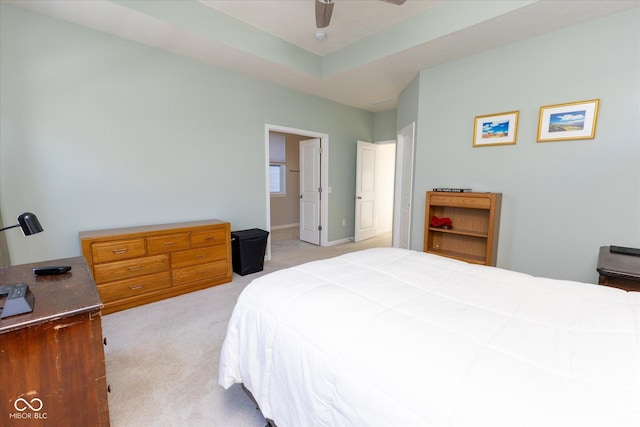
point(294, 20)
point(372, 51)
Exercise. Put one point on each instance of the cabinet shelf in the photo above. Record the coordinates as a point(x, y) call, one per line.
point(459, 231)
point(475, 218)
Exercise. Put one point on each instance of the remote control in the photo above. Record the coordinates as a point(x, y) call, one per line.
point(624, 251)
point(54, 269)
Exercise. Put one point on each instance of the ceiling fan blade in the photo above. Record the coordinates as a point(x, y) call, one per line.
point(324, 9)
point(398, 2)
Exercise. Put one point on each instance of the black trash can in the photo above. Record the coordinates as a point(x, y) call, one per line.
point(248, 248)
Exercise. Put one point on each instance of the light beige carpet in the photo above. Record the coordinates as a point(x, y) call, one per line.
point(162, 358)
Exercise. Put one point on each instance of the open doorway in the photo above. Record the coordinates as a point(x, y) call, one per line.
point(285, 167)
point(390, 206)
point(403, 199)
point(375, 176)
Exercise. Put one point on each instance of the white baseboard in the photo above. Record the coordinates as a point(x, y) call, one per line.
point(338, 242)
point(279, 227)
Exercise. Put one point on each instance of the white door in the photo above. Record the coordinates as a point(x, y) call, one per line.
point(365, 220)
point(404, 184)
point(310, 191)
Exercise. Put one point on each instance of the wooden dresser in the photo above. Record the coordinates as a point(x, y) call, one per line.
point(52, 359)
point(138, 265)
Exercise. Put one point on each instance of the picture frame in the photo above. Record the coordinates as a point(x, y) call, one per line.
point(495, 129)
point(563, 122)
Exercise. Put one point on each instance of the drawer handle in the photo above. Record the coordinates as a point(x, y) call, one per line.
point(209, 238)
point(200, 256)
point(170, 244)
point(136, 287)
point(138, 268)
point(120, 251)
point(200, 273)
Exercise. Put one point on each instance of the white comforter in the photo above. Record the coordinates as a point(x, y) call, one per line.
point(392, 337)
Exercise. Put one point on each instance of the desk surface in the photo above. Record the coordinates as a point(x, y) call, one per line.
point(618, 265)
point(55, 296)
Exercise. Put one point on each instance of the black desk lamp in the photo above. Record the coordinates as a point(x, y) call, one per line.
point(19, 297)
point(29, 223)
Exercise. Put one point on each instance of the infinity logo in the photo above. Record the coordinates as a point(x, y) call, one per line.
point(21, 404)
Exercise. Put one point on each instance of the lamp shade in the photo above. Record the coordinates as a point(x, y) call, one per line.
point(29, 223)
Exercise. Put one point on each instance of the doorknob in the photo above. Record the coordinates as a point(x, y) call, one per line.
point(301, 196)
point(359, 198)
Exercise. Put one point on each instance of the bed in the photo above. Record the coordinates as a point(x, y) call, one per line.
point(395, 337)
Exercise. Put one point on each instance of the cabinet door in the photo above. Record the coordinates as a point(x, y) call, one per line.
point(59, 363)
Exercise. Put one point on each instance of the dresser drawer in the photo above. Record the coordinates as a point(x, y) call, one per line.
point(138, 265)
point(170, 243)
point(130, 268)
point(199, 272)
point(477, 202)
point(115, 291)
point(216, 236)
point(198, 256)
point(117, 250)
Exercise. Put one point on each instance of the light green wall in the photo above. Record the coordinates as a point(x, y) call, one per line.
point(98, 132)
point(101, 132)
point(384, 126)
point(408, 101)
point(561, 200)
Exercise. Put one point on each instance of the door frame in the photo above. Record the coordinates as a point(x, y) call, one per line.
point(404, 133)
point(324, 178)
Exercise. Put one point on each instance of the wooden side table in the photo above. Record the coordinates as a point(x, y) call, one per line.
point(52, 368)
point(618, 270)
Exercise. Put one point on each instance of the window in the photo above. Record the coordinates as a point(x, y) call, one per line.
point(277, 165)
point(277, 181)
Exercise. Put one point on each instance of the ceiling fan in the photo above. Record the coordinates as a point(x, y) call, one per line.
point(324, 9)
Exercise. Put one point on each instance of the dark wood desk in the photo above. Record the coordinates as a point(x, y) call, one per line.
point(52, 369)
point(618, 271)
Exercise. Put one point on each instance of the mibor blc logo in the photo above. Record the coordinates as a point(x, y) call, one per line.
point(28, 409)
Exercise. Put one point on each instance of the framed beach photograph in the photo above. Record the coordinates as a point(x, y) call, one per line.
point(495, 129)
point(576, 120)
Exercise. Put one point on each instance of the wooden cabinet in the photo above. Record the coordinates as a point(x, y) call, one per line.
point(52, 359)
point(139, 265)
point(618, 270)
point(475, 219)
